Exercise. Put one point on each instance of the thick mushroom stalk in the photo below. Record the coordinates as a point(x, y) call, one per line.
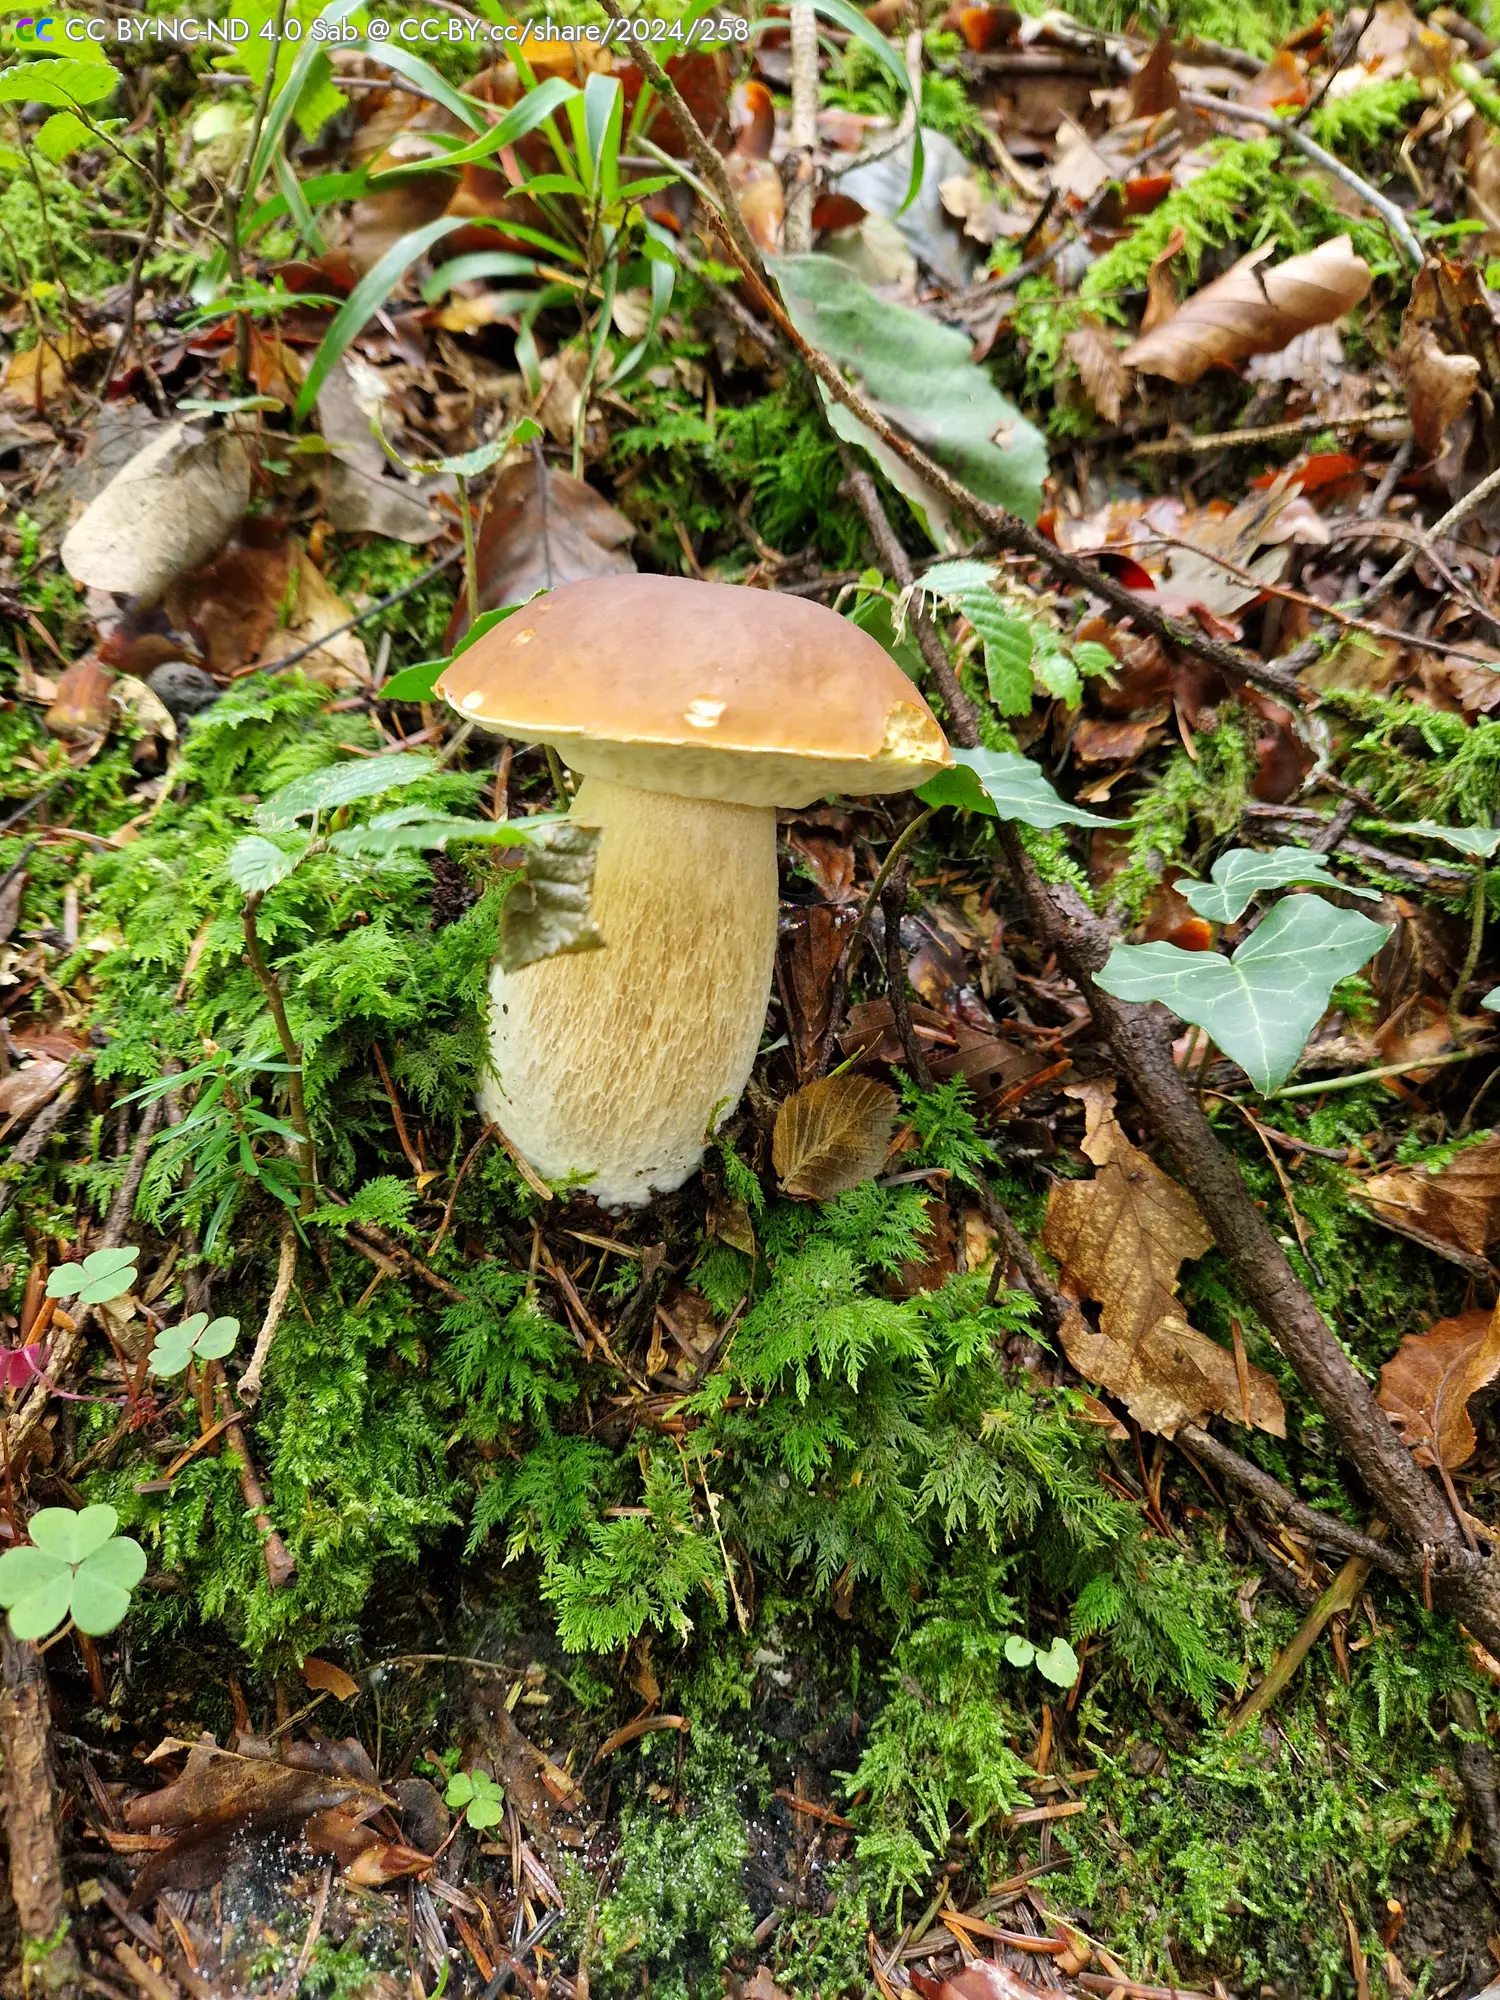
point(616, 1065)
point(692, 711)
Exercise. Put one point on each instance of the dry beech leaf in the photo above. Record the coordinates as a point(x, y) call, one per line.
point(1104, 375)
point(1426, 1386)
point(1122, 1237)
point(980, 1979)
point(1439, 386)
point(538, 536)
point(1253, 310)
point(318, 612)
point(81, 707)
point(1459, 1204)
point(323, 1675)
point(1161, 286)
point(32, 378)
point(1153, 88)
point(220, 1797)
point(831, 1135)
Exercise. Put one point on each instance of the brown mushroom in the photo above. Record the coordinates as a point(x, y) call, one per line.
point(692, 711)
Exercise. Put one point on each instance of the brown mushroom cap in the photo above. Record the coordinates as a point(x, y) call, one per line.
point(704, 690)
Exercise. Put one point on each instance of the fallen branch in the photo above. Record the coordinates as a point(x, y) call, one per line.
point(1341, 1595)
point(31, 1820)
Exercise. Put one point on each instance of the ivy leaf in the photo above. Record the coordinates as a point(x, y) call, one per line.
point(1243, 873)
point(549, 909)
point(256, 864)
point(1261, 1005)
point(103, 1275)
point(76, 1567)
point(1478, 841)
point(1006, 786)
point(831, 1135)
point(339, 785)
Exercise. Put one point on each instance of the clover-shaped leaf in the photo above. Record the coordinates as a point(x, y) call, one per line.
point(199, 1338)
point(1243, 873)
point(103, 1275)
point(1057, 1663)
point(478, 1796)
point(76, 1566)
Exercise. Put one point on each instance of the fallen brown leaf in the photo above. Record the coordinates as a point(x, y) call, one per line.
point(1439, 385)
point(219, 1798)
point(164, 512)
point(831, 1135)
point(1153, 88)
point(317, 613)
point(27, 1089)
point(808, 952)
point(323, 1674)
point(539, 534)
point(1091, 346)
point(231, 603)
point(81, 706)
point(1161, 285)
point(1457, 1204)
point(1122, 1237)
point(1253, 310)
point(1426, 1386)
point(33, 378)
point(980, 1979)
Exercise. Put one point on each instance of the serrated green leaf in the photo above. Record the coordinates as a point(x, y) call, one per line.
point(549, 909)
point(63, 133)
point(919, 375)
point(256, 864)
point(1244, 872)
point(340, 785)
point(1006, 786)
point(1261, 1005)
point(1056, 670)
point(59, 81)
point(1478, 841)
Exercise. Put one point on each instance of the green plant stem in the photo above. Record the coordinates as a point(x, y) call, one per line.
point(235, 201)
point(298, 1105)
point(1369, 1076)
point(1471, 956)
point(893, 854)
point(1340, 1595)
point(471, 578)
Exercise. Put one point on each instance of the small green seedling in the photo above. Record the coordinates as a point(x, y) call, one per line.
point(103, 1275)
point(77, 1567)
point(1057, 1663)
point(199, 1338)
point(476, 1794)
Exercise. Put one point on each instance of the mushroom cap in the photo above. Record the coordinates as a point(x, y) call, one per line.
point(704, 690)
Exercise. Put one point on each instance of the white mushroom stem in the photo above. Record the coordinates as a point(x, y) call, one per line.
point(615, 1064)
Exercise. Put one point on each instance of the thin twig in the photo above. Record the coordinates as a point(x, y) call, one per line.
point(133, 283)
point(1379, 204)
point(1459, 511)
point(270, 986)
point(468, 1160)
point(249, 1388)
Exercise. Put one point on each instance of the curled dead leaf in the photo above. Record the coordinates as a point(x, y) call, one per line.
point(1105, 377)
point(1458, 1204)
point(831, 1135)
point(1425, 1388)
point(1439, 385)
point(165, 511)
point(1122, 1237)
point(542, 530)
point(1253, 310)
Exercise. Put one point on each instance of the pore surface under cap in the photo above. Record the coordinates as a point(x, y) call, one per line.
point(706, 690)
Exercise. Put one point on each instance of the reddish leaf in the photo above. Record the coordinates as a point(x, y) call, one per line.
point(537, 536)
